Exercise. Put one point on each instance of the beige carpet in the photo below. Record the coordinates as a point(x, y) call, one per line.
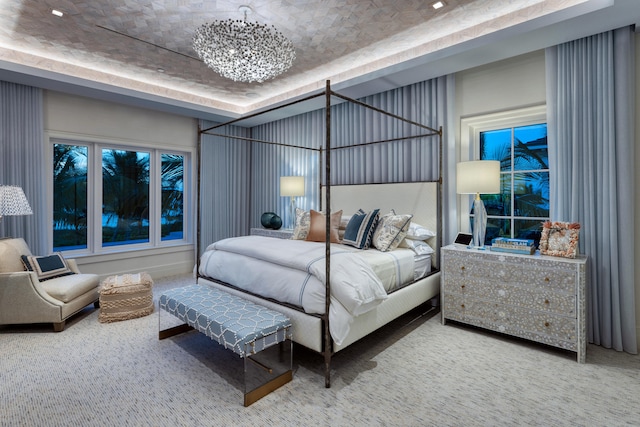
point(415, 373)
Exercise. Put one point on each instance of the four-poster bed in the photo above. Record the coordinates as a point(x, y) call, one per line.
point(326, 329)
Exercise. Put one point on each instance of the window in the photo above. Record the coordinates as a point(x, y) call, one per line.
point(523, 203)
point(133, 198)
point(518, 140)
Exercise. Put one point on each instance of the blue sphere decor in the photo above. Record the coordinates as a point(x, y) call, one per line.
point(276, 222)
point(265, 219)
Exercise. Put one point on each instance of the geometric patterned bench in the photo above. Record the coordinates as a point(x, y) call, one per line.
point(239, 325)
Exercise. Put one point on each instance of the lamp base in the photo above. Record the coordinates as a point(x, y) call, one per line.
point(479, 222)
point(292, 213)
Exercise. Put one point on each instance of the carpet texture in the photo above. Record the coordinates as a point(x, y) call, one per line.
point(415, 373)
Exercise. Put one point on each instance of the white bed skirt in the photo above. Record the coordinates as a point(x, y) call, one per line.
point(307, 329)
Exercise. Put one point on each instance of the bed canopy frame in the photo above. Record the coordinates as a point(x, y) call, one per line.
point(325, 157)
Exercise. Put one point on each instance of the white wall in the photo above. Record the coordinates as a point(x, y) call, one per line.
point(77, 117)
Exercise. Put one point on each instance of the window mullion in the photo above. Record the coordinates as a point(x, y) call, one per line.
point(96, 198)
point(154, 197)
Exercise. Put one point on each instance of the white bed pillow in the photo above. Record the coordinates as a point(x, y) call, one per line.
point(418, 246)
point(419, 232)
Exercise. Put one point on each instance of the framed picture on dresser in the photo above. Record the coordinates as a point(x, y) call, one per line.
point(560, 239)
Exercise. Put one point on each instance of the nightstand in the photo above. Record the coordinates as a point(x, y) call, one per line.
point(539, 298)
point(283, 233)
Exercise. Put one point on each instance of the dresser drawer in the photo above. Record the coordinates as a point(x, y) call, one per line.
point(539, 299)
point(547, 328)
point(535, 274)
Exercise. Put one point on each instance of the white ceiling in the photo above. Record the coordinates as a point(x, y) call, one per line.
point(113, 49)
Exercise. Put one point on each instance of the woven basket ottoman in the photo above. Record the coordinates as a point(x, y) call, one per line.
point(124, 297)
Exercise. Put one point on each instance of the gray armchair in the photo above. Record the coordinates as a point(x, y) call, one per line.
point(25, 299)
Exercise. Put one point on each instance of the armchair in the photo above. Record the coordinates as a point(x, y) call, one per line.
point(25, 299)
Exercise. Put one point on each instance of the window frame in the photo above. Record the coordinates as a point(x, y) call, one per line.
point(470, 129)
point(95, 193)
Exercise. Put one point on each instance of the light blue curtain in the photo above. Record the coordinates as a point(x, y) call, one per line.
point(225, 185)
point(270, 162)
point(398, 161)
point(590, 100)
point(22, 151)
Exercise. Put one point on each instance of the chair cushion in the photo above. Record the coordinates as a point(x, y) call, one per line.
point(68, 288)
point(10, 252)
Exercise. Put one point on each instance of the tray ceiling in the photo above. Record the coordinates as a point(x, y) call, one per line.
point(144, 46)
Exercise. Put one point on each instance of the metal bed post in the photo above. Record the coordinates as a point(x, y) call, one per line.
point(328, 348)
point(198, 204)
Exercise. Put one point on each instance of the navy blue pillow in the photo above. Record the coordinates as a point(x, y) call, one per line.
point(360, 228)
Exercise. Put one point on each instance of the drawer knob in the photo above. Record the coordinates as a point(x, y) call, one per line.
point(462, 268)
point(546, 301)
point(461, 305)
point(462, 286)
point(546, 279)
point(546, 324)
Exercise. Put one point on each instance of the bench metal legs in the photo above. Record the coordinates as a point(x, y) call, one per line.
point(272, 368)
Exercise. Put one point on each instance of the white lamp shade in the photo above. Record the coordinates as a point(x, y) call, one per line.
point(478, 177)
point(292, 186)
point(13, 201)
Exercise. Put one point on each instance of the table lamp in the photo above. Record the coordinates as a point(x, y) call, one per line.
point(292, 186)
point(13, 201)
point(478, 177)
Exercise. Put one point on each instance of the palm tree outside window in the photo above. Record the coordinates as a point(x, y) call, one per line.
point(141, 202)
point(521, 207)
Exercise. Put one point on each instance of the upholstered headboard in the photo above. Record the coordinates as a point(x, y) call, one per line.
point(417, 198)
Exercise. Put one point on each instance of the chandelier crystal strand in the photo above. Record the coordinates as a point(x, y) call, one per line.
point(244, 51)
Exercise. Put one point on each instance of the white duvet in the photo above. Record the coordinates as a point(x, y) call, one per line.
point(293, 271)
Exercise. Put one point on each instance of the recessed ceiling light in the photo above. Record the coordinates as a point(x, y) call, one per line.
point(57, 12)
point(160, 70)
point(438, 5)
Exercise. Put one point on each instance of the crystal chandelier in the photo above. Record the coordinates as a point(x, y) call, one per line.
point(244, 51)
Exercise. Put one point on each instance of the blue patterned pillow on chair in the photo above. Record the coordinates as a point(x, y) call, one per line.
point(360, 228)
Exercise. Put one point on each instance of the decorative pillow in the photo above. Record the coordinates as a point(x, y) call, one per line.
point(390, 231)
point(318, 228)
point(344, 221)
point(419, 232)
point(303, 221)
point(360, 229)
point(47, 267)
point(418, 246)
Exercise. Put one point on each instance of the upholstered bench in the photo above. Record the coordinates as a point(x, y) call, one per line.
point(239, 325)
point(124, 297)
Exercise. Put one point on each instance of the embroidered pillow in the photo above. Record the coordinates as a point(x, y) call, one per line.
point(390, 231)
point(360, 229)
point(318, 228)
point(303, 221)
point(47, 267)
point(344, 221)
